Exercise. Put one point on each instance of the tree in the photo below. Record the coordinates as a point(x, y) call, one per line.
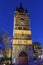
point(6, 41)
point(2, 46)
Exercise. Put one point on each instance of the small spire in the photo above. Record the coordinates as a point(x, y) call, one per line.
point(26, 11)
point(21, 5)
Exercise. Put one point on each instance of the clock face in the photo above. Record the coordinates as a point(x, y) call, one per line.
point(22, 21)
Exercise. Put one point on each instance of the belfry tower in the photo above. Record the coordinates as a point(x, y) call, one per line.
point(21, 36)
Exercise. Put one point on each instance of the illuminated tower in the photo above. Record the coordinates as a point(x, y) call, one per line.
point(21, 36)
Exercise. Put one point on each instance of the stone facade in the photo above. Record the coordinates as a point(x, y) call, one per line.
point(21, 34)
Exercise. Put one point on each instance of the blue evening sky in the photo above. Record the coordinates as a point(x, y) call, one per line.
point(35, 8)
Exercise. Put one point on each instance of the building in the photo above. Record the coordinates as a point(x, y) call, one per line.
point(22, 41)
point(37, 50)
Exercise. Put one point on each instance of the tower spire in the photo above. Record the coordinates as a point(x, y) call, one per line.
point(21, 5)
point(21, 9)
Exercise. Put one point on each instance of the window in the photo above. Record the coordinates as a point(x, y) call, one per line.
point(24, 28)
point(20, 28)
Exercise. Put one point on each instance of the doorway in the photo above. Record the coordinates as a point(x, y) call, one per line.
point(23, 58)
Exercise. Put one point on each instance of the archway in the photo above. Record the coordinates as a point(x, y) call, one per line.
point(23, 58)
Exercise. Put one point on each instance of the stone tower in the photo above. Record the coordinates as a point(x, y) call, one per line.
point(21, 37)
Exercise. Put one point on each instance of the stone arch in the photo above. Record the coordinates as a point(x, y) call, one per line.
point(23, 58)
point(22, 53)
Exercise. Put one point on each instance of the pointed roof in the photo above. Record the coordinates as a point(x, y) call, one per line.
point(26, 10)
point(21, 9)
